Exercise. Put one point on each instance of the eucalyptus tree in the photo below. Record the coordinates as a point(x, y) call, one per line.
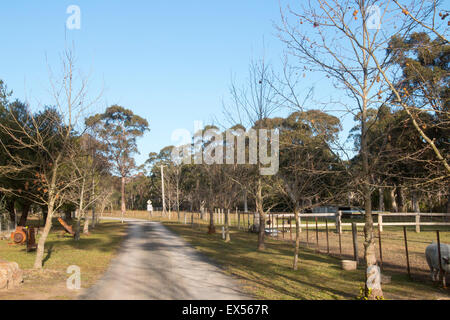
point(424, 88)
point(118, 128)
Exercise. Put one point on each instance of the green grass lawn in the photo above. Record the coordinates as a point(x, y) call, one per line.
point(91, 253)
point(269, 274)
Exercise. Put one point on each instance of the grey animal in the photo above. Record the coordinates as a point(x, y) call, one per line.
point(432, 255)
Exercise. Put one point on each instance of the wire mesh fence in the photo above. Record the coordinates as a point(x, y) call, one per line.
point(394, 251)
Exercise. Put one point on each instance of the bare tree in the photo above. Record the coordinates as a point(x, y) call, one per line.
point(252, 103)
point(49, 135)
point(340, 43)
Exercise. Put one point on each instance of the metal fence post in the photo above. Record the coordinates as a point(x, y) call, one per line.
point(441, 273)
point(307, 232)
point(317, 236)
point(355, 242)
point(407, 253)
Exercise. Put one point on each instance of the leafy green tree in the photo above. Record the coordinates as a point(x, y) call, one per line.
point(119, 129)
point(310, 172)
point(424, 86)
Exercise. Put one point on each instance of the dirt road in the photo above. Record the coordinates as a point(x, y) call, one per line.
point(154, 263)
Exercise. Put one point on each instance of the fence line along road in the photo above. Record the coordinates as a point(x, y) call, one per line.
point(246, 219)
point(338, 224)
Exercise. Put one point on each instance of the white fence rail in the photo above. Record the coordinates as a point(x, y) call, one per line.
point(338, 224)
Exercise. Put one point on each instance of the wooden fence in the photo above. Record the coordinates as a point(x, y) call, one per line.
point(286, 221)
point(379, 220)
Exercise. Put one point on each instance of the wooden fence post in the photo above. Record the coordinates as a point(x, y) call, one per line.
point(418, 222)
point(380, 222)
point(328, 244)
point(339, 222)
point(355, 242)
point(380, 247)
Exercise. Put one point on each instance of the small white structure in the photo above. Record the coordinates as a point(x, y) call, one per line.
point(149, 206)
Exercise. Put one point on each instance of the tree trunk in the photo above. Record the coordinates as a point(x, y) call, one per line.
point(400, 200)
point(43, 237)
point(68, 215)
point(86, 225)
point(45, 214)
point(394, 207)
point(297, 237)
point(211, 227)
point(122, 205)
point(77, 228)
point(25, 210)
point(93, 200)
point(93, 217)
point(245, 201)
point(262, 217)
point(381, 199)
point(372, 283)
point(227, 226)
point(415, 202)
point(10, 207)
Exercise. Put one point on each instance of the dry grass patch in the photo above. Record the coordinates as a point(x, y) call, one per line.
point(269, 274)
point(91, 253)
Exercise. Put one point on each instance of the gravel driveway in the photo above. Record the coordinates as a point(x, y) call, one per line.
point(154, 263)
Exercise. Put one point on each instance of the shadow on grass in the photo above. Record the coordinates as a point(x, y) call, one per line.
point(105, 237)
point(49, 253)
point(271, 268)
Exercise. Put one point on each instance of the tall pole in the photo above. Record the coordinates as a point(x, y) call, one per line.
point(162, 186)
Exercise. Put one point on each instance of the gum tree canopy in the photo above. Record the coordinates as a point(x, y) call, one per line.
point(119, 128)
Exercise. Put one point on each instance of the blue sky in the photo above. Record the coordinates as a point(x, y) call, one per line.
point(171, 62)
